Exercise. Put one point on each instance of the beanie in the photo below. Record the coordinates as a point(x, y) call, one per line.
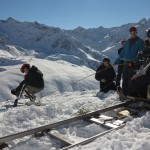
point(132, 29)
point(106, 59)
point(24, 66)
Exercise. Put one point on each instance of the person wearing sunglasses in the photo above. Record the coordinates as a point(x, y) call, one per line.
point(133, 45)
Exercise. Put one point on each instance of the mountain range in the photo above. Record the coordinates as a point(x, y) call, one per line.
point(85, 46)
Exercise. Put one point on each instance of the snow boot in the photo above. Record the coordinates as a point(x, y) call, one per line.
point(15, 102)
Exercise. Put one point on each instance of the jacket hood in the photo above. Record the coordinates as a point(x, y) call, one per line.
point(34, 68)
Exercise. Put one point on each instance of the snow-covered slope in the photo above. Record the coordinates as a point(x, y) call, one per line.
point(59, 76)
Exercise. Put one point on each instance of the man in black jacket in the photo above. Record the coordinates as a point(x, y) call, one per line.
point(33, 82)
point(106, 75)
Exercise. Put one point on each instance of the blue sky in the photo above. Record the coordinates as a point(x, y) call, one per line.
point(69, 14)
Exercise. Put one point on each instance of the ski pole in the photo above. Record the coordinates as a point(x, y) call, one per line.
point(21, 91)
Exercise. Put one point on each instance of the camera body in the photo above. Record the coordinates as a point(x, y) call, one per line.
point(144, 57)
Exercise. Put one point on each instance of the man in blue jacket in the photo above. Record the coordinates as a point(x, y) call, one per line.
point(133, 45)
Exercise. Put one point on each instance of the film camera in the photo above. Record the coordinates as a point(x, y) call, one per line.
point(144, 57)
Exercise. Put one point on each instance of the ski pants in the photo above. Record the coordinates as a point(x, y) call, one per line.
point(30, 89)
point(105, 87)
point(128, 72)
point(33, 90)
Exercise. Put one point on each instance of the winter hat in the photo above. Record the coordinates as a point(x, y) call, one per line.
point(148, 33)
point(132, 29)
point(106, 59)
point(24, 66)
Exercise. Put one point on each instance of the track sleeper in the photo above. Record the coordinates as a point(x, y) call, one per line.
point(61, 137)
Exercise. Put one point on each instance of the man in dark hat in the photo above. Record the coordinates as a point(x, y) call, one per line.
point(33, 83)
point(133, 45)
point(106, 75)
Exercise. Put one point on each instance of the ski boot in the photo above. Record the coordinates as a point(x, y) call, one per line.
point(121, 95)
point(15, 102)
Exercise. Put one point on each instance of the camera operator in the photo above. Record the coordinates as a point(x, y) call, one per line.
point(140, 82)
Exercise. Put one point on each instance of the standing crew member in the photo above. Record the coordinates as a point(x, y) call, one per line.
point(133, 45)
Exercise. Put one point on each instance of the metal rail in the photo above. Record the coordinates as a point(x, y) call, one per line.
point(47, 128)
point(138, 99)
point(92, 138)
point(60, 123)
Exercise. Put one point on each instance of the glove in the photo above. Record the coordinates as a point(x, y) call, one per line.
point(14, 91)
point(114, 82)
point(103, 80)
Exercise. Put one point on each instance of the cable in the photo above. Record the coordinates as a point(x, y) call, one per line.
point(83, 79)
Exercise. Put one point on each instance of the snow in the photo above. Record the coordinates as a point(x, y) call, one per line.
point(135, 135)
point(58, 75)
point(55, 108)
point(68, 60)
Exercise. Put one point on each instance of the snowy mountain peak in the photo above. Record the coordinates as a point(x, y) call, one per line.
point(143, 20)
point(79, 29)
point(10, 20)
